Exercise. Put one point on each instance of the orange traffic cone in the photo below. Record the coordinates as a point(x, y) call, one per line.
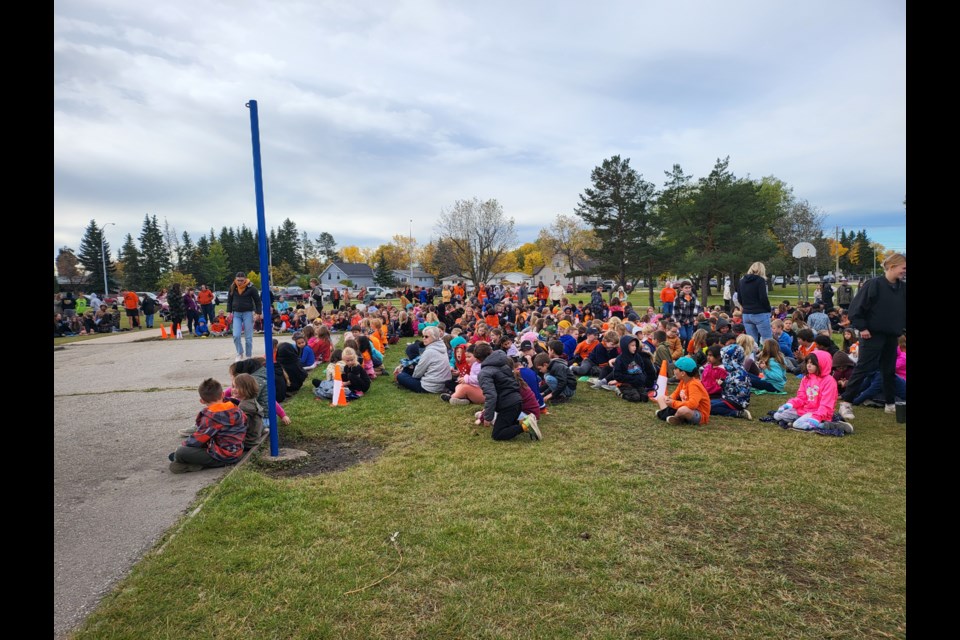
point(163, 332)
point(339, 393)
point(662, 380)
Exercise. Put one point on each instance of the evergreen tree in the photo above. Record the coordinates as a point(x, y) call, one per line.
point(286, 246)
point(382, 275)
point(189, 256)
point(155, 259)
point(129, 256)
point(308, 254)
point(326, 248)
point(247, 251)
point(619, 208)
point(215, 267)
point(91, 257)
point(722, 227)
point(228, 241)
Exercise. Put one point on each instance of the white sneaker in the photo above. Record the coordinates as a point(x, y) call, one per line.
point(846, 411)
point(238, 358)
point(889, 408)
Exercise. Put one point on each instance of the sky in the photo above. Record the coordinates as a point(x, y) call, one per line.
point(374, 114)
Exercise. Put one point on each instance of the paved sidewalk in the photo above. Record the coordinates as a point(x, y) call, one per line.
point(118, 403)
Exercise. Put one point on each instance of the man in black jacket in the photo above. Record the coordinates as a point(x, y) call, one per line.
point(879, 313)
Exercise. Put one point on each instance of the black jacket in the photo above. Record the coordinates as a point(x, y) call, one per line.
point(566, 381)
point(753, 294)
point(633, 368)
point(289, 359)
point(249, 300)
point(499, 385)
point(880, 307)
point(359, 380)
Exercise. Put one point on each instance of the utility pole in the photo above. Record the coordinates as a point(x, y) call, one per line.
point(103, 257)
point(836, 246)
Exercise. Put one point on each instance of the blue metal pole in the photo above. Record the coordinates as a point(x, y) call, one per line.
point(264, 280)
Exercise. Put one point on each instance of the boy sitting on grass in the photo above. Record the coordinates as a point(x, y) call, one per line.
point(689, 403)
point(218, 439)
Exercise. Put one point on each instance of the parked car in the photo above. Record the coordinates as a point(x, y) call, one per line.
point(779, 280)
point(813, 278)
point(713, 283)
point(220, 297)
point(609, 285)
point(829, 278)
point(586, 286)
point(381, 292)
point(293, 293)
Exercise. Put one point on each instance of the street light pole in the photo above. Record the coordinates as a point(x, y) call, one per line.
point(411, 252)
point(103, 257)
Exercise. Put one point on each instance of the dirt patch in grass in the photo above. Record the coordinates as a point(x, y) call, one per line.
point(327, 455)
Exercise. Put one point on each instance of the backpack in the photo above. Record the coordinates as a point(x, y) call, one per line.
point(324, 390)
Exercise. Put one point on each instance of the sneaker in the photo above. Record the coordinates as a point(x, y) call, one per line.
point(186, 433)
point(873, 404)
point(444, 397)
point(608, 387)
point(238, 358)
point(743, 413)
point(531, 427)
point(182, 467)
point(459, 401)
point(846, 411)
point(674, 420)
point(597, 383)
point(889, 408)
point(846, 427)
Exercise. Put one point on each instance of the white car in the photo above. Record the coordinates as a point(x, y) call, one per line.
point(813, 278)
point(220, 297)
point(381, 292)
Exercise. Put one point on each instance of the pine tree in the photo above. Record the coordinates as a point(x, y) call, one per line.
point(130, 257)
point(190, 257)
point(619, 208)
point(215, 268)
point(91, 257)
point(286, 246)
point(155, 259)
point(382, 275)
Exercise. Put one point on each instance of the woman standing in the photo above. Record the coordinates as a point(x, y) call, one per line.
point(177, 310)
point(756, 306)
point(243, 301)
point(191, 308)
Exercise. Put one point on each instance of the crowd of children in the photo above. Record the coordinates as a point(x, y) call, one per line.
point(514, 357)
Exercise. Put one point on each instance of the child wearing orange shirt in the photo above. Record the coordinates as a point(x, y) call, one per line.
point(689, 403)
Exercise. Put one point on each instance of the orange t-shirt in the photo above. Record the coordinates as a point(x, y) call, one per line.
point(131, 300)
point(668, 294)
point(697, 398)
point(205, 297)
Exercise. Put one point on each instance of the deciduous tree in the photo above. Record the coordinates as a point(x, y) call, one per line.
point(478, 235)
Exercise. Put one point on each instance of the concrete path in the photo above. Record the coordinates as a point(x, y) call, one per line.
point(118, 403)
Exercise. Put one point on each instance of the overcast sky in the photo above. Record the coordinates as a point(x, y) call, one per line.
point(374, 113)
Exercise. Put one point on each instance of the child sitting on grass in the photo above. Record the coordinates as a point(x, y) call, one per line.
point(689, 403)
point(218, 438)
point(816, 399)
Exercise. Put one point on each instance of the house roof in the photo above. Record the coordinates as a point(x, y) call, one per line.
point(354, 268)
point(417, 273)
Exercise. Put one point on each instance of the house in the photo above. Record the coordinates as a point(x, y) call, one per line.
point(419, 278)
point(359, 274)
point(558, 268)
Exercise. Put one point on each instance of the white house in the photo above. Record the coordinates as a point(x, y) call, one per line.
point(359, 274)
point(558, 268)
point(419, 278)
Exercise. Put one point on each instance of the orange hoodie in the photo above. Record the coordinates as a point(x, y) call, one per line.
point(697, 398)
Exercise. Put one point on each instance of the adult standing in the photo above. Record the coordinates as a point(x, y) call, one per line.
point(667, 296)
point(844, 294)
point(687, 309)
point(206, 302)
point(827, 295)
point(243, 301)
point(131, 303)
point(756, 305)
point(191, 307)
point(317, 294)
point(542, 294)
point(879, 313)
point(556, 293)
point(727, 296)
point(177, 311)
point(68, 305)
point(335, 298)
point(149, 307)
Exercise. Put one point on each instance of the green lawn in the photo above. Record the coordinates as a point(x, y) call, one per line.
point(614, 526)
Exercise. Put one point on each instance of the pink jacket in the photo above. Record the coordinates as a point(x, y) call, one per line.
point(471, 378)
point(901, 363)
point(817, 395)
point(711, 377)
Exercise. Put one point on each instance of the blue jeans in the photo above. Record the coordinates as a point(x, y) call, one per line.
point(667, 309)
point(243, 320)
point(759, 383)
point(686, 332)
point(758, 327)
point(206, 311)
point(552, 383)
point(149, 317)
point(407, 381)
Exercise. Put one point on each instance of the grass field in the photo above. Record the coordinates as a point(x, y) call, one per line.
point(614, 526)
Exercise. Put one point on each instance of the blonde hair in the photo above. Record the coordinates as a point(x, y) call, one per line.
point(894, 260)
point(348, 351)
point(747, 343)
point(758, 269)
